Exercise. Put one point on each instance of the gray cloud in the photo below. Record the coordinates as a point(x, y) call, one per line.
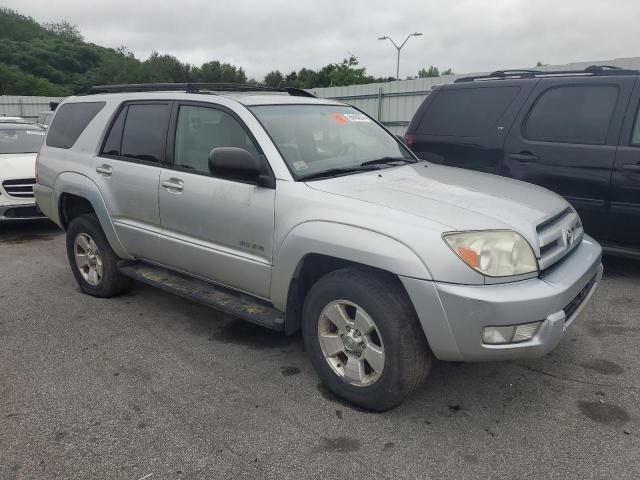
point(467, 35)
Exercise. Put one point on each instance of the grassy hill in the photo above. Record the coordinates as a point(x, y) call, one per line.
point(54, 60)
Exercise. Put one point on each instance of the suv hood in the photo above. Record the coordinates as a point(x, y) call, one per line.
point(17, 165)
point(457, 199)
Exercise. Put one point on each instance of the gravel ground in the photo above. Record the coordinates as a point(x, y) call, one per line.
point(152, 386)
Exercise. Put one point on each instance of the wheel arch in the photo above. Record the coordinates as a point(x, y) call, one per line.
point(314, 249)
point(78, 195)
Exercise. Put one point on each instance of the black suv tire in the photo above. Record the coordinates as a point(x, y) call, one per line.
point(407, 357)
point(112, 282)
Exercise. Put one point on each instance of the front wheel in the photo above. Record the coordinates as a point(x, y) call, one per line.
point(364, 338)
point(92, 261)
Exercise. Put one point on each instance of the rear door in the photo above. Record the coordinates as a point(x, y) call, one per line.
point(127, 172)
point(465, 125)
point(565, 139)
point(624, 226)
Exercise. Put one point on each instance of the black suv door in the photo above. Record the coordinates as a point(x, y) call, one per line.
point(565, 139)
point(464, 125)
point(624, 226)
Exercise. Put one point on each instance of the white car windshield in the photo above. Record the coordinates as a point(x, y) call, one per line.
point(315, 140)
point(20, 139)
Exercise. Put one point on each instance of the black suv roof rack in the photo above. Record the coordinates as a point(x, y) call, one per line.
point(206, 88)
point(593, 70)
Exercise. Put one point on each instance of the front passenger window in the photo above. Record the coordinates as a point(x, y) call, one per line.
point(200, 130)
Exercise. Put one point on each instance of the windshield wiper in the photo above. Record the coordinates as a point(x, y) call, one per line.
point(387, 160)
point(334, 172)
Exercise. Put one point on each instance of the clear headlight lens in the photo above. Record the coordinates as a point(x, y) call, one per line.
point(494, 253)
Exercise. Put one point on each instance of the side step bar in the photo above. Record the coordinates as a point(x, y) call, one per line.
point(229, 301)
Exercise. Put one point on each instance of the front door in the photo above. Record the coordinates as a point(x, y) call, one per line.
point(624, 228)
point(565, 139)
point(216, 228)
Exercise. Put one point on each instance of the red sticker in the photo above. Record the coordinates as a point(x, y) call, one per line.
point(340, 119)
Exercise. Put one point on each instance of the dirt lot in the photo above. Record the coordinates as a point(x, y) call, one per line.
point(151, 386)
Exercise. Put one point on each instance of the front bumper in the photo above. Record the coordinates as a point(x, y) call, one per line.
point(20, 212)
point(453, 316)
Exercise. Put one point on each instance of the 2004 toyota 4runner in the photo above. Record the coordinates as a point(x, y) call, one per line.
point(301, 213)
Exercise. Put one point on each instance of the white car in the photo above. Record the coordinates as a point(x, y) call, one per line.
point(19, 146)
point(5, 119)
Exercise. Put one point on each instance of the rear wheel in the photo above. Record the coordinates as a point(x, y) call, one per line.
point(364, 338)
point(92, 261)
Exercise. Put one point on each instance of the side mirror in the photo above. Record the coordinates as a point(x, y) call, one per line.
point(238, 164)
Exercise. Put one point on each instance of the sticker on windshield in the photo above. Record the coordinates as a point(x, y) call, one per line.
point(356, 117)
point(300, 165)
point(33, 132)
point(341, 119)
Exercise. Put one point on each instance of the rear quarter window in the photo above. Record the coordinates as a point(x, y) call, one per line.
point(466, 112)
point(70, 121)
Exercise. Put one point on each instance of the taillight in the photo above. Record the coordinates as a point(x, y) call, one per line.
point(409, 138)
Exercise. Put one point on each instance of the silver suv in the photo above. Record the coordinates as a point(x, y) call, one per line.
point(295, 212)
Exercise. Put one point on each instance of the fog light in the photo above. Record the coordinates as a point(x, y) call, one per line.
point(509, 333)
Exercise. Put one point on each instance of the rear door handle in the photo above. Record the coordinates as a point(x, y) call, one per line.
point(632, 166)
point(173, 184)
point(523, 157)
point(105, 170)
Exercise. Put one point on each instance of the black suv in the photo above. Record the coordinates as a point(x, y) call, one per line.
point(574, 132)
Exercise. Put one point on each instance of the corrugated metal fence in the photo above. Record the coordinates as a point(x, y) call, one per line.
point(394, 103)
point(26, 107)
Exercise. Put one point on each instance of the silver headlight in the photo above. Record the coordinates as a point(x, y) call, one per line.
point(494, 253)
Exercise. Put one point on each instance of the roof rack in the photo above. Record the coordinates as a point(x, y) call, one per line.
point(593, 70)
point(206, 88)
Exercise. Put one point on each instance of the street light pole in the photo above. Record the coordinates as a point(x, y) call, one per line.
point(398, 48)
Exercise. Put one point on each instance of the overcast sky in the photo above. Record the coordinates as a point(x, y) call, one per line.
point(262, 35)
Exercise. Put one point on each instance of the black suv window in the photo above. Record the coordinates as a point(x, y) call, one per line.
point(139, 132)
point(572, 114)
point(635, 135)
point(466, 112)
point(71, 120)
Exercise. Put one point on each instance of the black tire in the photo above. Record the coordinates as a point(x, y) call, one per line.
point(112, 282)
point(407, 355)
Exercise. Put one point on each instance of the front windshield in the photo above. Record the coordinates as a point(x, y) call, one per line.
point(20, 140)
point(317, 138)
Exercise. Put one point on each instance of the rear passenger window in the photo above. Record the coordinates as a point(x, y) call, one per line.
point(114, 139)
point(572, 114)
point(466, 112)
point(145, 132)
point(71, 120)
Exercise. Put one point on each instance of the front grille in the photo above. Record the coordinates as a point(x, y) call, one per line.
point(557, 236)
point(570, 309)
point(19, 188)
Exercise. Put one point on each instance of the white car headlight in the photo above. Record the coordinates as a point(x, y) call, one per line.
point(494, 253)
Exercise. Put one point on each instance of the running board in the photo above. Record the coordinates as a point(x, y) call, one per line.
point(229, 301)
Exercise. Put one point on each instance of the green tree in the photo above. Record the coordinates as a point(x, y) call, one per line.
point(64, 29)
point(273, 79)
point(428, 73)
point(448, 71)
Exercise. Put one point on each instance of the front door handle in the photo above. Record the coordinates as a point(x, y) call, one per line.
point(105, 170)
point(173, 185)
point(632, 166)
point(523, 157)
